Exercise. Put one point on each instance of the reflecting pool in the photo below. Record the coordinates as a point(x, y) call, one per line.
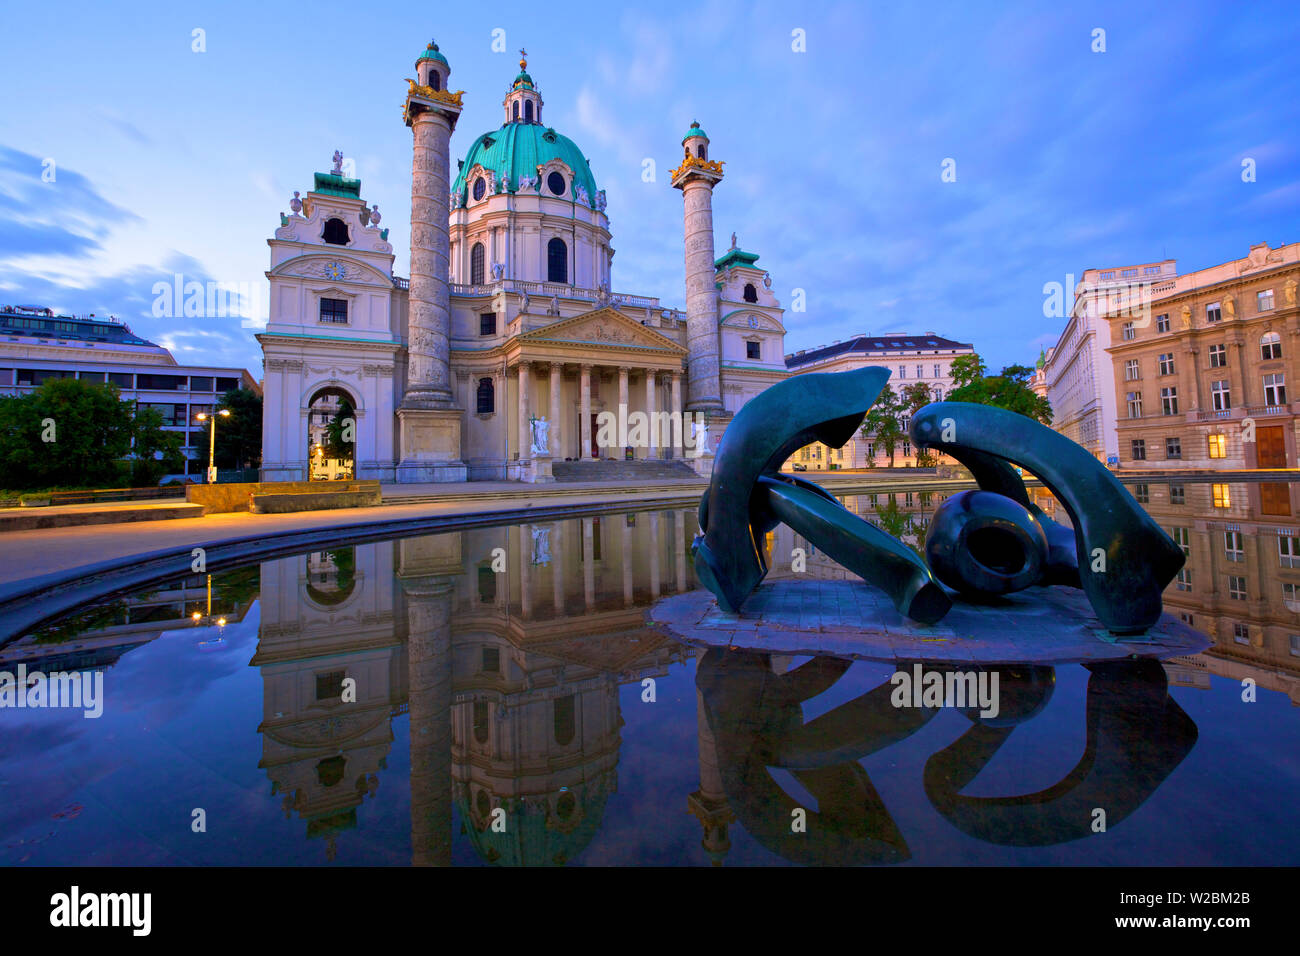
point(495, 696)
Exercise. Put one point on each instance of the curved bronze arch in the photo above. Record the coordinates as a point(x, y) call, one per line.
point(1136, 736)
point(1137, 559)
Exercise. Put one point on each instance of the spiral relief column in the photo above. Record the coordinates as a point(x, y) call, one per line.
point(430, 421)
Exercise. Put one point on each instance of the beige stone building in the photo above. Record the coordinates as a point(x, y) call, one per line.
point(1201, 373)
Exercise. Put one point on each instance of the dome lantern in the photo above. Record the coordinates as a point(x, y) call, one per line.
point(523, 103)
point(432, 68)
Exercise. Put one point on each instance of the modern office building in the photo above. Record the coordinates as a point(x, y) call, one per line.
point(36, 345)
point(1203, 384)
point(1080, 379)
point(911, 358)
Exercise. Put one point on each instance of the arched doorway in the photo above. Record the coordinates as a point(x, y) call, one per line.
point(331, 435)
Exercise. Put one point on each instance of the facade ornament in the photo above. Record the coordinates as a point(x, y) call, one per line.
point(733, 240)
point(364, 216)
point(541, 545)
point(374, 215)
point(1289, 290)
point(602, 294)
point(338, 163)
point(1229, 307)
point(295, 203)
point(700, 437)
point(555, 305)
point(581, 193)
point(498, 270)
point(600, 201)
point(523, 306)
point(1187, 316)
point(526, 182)
point(767, 281)
point(540, 432)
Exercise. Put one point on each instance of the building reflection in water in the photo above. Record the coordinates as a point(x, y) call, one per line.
point(506, 647)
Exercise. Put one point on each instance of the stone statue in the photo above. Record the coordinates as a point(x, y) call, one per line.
point(295, 203)
point(600, 200)
point(733, 240)
point(526, 182)
point(1229, 307)
point(1289, 290)
point(541, 545)
point(602, 294)
point(541, 431)
point(581, 194)
point(1187, 316)
point(374, 215)
point(555, 305)
point(364, 215)
point(700, 437)
point(338, 163)
point(523, 306)
point(498, 270)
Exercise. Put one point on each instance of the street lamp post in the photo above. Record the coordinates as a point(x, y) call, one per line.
point(212, 442)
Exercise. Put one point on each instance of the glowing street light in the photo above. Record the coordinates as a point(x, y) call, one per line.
point(212, 442)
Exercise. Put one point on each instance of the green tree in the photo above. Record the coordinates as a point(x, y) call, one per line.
point(73, 433)
point(897, 523)
point(1009, 389)
point(884, 422)
point(239, 437)
point(340, 433)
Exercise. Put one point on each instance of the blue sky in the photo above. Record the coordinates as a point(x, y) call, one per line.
point(167, 160)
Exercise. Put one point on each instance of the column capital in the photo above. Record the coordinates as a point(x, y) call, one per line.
point(557, 365)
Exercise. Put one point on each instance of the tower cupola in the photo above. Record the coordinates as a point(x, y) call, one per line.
point(523, 103)
point(696, 142)
point(432, 68)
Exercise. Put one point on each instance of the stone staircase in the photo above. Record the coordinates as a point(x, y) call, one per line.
point(621, 470)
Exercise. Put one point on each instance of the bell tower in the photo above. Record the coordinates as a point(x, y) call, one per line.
point(523, 103)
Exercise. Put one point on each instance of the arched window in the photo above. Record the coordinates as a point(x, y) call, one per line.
point(528, 111)
point(557, 261)
point(516, 111)
point(699, 151)
point(482, 722)
point(476, 264)
point(336, 232)
point(565, 724)
point(486, 397)
point(435, 82)
point(751, 294)
point(1270, 346)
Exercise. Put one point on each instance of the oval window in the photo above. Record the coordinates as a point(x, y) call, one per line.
point(555, 183)
point(480, 187)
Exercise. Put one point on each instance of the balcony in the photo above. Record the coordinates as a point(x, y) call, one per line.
point(545, 290)
point(1262, 410)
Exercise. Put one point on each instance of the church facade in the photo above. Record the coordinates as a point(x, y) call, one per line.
point(505, 350)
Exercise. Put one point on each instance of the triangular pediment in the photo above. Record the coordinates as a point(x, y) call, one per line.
point(605, 326)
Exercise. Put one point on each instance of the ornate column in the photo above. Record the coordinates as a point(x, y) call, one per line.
point(675, 406)
point(525, 432)
point(430, 424)
point(584, 415)
point(652, 443)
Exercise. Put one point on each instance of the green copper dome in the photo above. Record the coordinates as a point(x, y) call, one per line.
point(431, 53)
point(522, 81)
point(694, 131)
point(517, 149)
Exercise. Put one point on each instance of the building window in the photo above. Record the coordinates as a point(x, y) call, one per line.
point(1264, 301)
point(1290, 597)
point(920, 371)
point(1288, 551)
point(1221, 495)
point(1295, 645)
point(435, 81)
point(1270, 346)
point(1139, 448)
point(1213, 313)
point(1169, 401)
point(907, 451)
point(491, 660)
point(1183, 538)
point(1167, 363)
point(1134, 404)
point(902, 371)
point(555, 183)
point(1131, 371)
point(1188, 619)
point(528, 111)
point(487, 323)
point(1177, 495)
point(752, 350)
point(1129, 332)
point(1236, 587)
point(334, 311)
point(480, 187)
point(336, 232)
point(516, 112)
point(1162, 322)
point(1218, 446)
point(1234, 546)
point(751, 294)
point(1275, 389)
point(1218, 356)
point(557, 259)
point(1241, 633)
point(937, 371)
point(1221, 396)
point(486, 396)
point(1173, 448)
point(1142, 493)
point(476, 264)
point(1184, 580)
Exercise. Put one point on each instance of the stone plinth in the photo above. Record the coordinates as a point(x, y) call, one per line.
point(536, 470)
point(430, 445)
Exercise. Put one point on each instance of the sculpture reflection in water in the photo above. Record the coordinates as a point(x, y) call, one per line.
point(1136, 736)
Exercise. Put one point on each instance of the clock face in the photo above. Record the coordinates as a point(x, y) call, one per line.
point(753, 321)
point(334, 271)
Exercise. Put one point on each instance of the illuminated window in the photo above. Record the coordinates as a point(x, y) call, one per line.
point(1222, 496)
point(1218, 446)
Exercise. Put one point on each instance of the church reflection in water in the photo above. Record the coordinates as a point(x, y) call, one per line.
point(506, 650)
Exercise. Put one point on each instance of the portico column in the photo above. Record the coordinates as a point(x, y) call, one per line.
point(675, 406)
point(654, 554)
point(623, 402)
point(557, 373)
point(525, 433)
point(679, 549)
point(525, 571)
point(584, 423)
point(626, 549)
point(588, 565)
point(652, 443)
point(557, 567)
